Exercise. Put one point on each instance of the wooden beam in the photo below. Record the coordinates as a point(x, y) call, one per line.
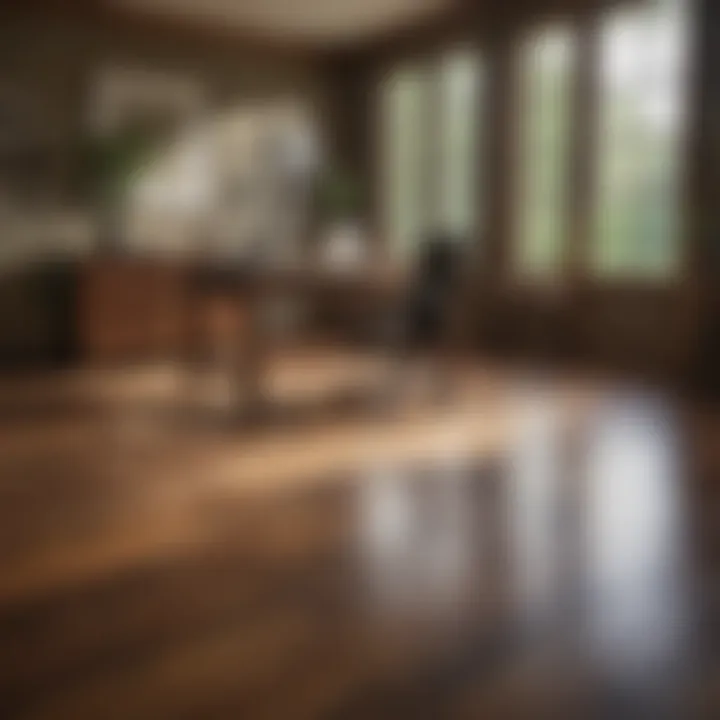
point(99, 14)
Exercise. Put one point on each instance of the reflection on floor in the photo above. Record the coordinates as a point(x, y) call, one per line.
point(531, 549)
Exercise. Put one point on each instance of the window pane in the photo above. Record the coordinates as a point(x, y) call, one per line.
point(460, 85)
point(545, 107)
point(641, 123)
point(405, 158)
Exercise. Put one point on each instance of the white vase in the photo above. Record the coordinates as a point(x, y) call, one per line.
point(344, 246)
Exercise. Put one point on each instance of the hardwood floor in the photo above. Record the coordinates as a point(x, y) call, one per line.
point(534, 548)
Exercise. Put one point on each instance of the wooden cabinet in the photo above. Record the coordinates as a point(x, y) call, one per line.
point(130, 309)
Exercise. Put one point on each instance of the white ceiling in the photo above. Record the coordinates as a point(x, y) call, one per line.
point(327, 21)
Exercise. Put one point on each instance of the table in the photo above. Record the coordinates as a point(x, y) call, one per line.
point(232, 300)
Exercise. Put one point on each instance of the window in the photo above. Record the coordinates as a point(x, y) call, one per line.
point(460, 129)
point(637, 211)
point(430, 130)
point(546, 65)
point(405, 153)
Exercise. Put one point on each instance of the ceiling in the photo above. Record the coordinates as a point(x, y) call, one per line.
point(318, 21)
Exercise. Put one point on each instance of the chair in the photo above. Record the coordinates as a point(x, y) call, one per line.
point(427, 327)
point(432, 294)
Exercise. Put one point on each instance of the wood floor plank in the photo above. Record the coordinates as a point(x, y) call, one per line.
point(534, 547)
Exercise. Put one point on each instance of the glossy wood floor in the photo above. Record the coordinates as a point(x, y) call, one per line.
point(531, 549)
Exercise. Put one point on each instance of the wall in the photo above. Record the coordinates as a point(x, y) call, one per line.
point(648, 328)
point(50, 54)
point(704, 184)
point(50, 62)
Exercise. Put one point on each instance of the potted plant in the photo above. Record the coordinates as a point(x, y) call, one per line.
point(110, 163)
point(339, 208)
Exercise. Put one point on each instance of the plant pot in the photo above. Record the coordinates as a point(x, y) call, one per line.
point(344, 246)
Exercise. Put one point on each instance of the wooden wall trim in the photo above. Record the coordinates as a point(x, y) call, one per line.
point(218, 38)
point(583, 154)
